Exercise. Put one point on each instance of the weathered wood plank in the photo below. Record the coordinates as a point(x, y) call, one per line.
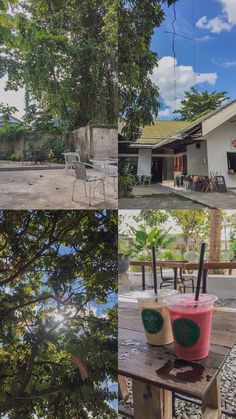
point(158, 365)
point(151, 402)
point(211, 404)
point(123, 389)
point(124, 411)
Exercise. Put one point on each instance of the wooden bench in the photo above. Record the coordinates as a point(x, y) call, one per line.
point(157, 374)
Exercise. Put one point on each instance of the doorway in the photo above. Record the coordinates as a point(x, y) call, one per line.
point(157, 164)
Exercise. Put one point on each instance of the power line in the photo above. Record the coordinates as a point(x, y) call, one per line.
point(194, 45)
point(174, 54)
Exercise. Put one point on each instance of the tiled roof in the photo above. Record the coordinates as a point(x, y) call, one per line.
point(162, 130)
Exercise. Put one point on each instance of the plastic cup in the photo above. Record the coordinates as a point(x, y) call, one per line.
point(191, 324)
point(155, 317)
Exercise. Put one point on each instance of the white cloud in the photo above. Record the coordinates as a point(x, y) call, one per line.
point(12, 98)
point(204, 38)
point(163, 77)
point(215, 25)
point(229, 8)
point(224, 22)
point(229, 64)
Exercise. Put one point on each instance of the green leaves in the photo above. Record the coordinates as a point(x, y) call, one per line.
point(65, 53)
point(139, 96)
point(197, 104)
point(53, 266)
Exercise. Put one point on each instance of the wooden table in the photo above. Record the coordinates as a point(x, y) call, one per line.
point(188, 266)
point(157, 374)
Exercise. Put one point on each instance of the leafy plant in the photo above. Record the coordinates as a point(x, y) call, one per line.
point(17, 156)
point(126, 184)
point(144, 241)
point(57, 276)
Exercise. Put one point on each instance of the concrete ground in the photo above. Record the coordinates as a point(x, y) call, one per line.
point(167, 196)
point(48, 189)
point(157, 197)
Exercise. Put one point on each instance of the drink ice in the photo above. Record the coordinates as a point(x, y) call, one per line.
point(191, 324)
point(155, 317)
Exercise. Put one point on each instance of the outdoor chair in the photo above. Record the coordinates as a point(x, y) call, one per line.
point(81, 175)
point(166, 281)
point(112, 172)
point(42, 156)
point(70, 158)
point(186, 278)
point(28, 156)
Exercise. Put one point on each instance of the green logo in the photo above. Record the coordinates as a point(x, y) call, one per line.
point(186, 332)
point(152, 321)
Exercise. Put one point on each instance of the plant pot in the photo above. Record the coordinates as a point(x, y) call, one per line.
point(123, 263)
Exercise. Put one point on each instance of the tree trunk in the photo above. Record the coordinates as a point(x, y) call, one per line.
point(215, 235)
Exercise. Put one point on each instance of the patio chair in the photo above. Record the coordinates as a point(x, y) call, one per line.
point(112, 172)
point(28, 156)
point(81, 175)
point(70, 158)
point(186, 278)
point(167, 280)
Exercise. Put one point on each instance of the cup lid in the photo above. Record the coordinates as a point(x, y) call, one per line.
point(185, 300)
point(149, 294)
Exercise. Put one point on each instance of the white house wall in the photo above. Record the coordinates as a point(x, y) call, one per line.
point(144, 162)
point(197, 159)
point(218, 144)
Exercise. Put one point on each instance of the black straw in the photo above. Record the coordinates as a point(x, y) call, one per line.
point(154, 267)
point(200, 269)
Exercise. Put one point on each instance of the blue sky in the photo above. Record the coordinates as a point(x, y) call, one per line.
point(215, 52)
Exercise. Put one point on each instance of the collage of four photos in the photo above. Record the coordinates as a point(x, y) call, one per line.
point(117, 209)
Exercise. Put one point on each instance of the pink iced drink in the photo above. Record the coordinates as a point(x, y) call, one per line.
point(191, 325)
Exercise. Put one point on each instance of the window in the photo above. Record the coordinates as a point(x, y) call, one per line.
point(231, 157)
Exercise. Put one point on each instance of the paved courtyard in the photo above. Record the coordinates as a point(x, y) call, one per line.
point(48, 189)
point(164, 196)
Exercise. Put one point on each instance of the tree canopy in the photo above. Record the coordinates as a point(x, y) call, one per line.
point(139, 96)
point(197, 104)
point(65, 55)
point(58, 335)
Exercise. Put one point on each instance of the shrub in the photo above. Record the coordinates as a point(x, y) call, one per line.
point(55, 147)
point(126, 184)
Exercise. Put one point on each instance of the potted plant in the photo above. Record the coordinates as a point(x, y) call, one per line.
point(123, 254)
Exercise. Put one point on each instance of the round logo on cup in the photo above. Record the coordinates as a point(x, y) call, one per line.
point(152, 320)
point(186, 332)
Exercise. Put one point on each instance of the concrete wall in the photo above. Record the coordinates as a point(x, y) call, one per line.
point(218, 144)
point(197, 159)
point(80, 139)
point(144, 161)
point(92, 141)
point(25, 142)
point(95, 142)
point(104, 142)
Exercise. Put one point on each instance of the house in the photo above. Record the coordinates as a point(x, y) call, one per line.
point(200, 148)
point(12, 121)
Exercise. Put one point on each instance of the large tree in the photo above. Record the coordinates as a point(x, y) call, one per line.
point(65, 55)
point(139, 96)
point(58, 338)
point(215, 235)
point(196, 104)
point(194, 225)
